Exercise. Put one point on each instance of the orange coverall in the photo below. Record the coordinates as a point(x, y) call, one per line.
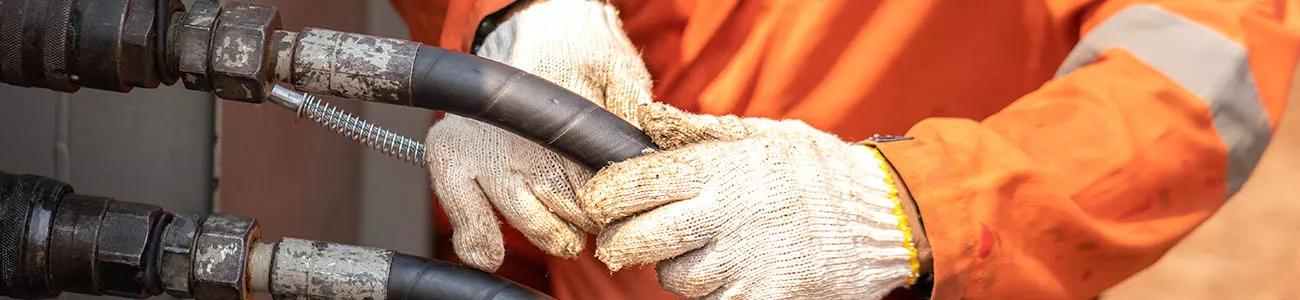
point(1037, 175)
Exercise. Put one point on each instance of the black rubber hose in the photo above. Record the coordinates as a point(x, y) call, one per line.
point(525, 104)
point(416, 278)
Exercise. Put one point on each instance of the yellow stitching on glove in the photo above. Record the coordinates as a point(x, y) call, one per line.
point(913, 258)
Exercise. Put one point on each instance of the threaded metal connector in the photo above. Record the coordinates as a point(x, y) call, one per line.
point(312, 108)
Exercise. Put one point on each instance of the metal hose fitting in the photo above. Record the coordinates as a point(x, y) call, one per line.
point(309, 107)
point(53, 240)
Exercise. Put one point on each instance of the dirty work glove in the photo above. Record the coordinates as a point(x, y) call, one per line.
point(753, 209)
point(474, 167)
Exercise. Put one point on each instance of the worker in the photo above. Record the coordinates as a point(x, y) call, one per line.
point(844, 149)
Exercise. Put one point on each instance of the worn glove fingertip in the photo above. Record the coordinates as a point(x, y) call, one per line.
point(567, 244)
point(613, 266)
point(612, 259)
point(672, 128)
point(570, 251)
point(644, 183)
point(615, 247)
point(479, 249)
point(591, 199)
point(483, 260)
point(667, 126)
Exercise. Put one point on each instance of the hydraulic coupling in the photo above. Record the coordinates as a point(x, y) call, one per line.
point(239, 51)
point(54, 240)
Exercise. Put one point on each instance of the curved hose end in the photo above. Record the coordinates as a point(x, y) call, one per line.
point(417, 278)
point(528, 105)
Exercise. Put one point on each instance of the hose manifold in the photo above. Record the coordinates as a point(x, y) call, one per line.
point(53, 240)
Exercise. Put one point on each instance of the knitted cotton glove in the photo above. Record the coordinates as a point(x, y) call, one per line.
point(753, 209)
point(473, 166)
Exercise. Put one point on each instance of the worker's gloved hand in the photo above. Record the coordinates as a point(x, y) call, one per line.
point(752, 209)
point(474, 167)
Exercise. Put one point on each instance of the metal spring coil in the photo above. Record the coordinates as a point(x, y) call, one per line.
point(361, 131)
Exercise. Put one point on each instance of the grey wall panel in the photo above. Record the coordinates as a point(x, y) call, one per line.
point(27, 127)
point(150, 146)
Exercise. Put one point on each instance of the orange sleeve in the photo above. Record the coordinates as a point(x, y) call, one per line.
point(1092, 177)
point(449, 24)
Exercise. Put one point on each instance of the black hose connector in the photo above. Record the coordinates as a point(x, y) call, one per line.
point(27, 206)
point(525, 104)
point(416, 278)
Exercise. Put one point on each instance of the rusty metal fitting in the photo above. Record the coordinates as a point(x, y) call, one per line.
point(139, 38)
point(240, 57)
point(303, 269)
point(353, 66)
point(125, 265)
point(99, 43)
point(174, 259)
point(259, 267)
point(189, 41)
point(282, 44)
point(72, 245)
point(221, 252)
point(168, 15)
point(170, 72)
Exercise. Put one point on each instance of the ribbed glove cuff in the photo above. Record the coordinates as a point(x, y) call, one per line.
point(890, 184)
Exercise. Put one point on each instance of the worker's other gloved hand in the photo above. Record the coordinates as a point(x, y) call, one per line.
point(474, 167)
point(752, 209)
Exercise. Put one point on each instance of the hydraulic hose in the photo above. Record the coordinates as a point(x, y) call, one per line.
point(118, 45)
point(407, 73)
point(121, 44)
point(98, 245)
point(417, 278)
point(525, 104)
point(320, 270)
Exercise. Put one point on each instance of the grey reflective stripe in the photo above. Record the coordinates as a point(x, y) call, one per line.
point(1211, 66)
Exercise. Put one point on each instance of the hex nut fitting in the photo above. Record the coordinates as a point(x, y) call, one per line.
point(139, 38)
point(240, 57)
point(174, 258)
point(121, 250)
point(221, 251)
point(189, 44)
